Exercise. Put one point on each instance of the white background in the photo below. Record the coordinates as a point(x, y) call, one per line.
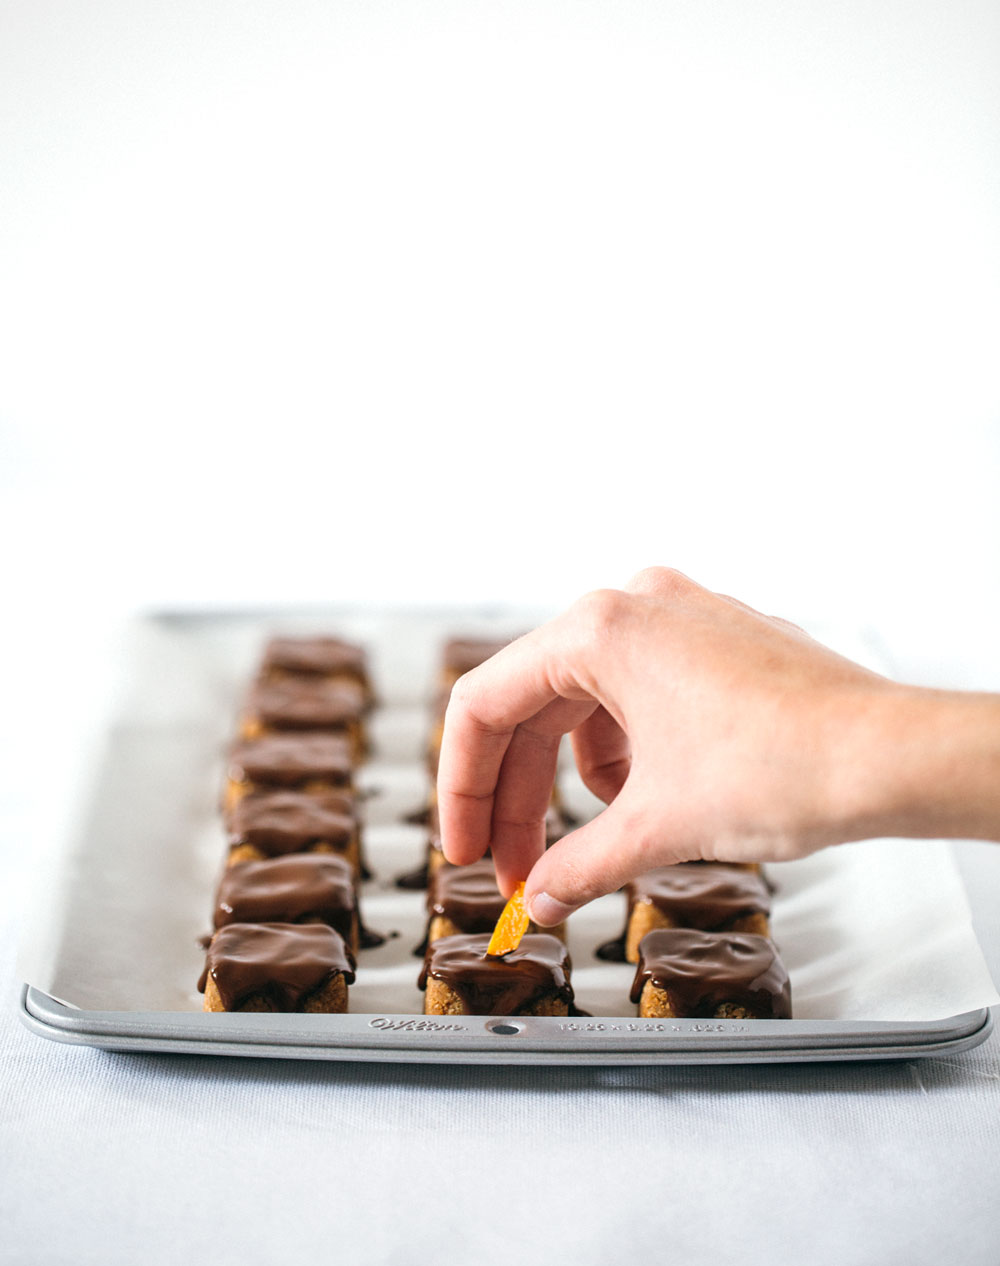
point(446, 301)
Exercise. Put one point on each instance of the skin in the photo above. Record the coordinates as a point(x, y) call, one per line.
point(710, 731)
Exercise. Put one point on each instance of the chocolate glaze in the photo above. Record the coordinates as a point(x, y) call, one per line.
point(283, 962)
point(318, 655)
point(538, 968)
point(289, 821)
point(290, 758)
point(467, 895)
point(694, 894)
point(288, 890)
point(701, 970)
point(703, 897)
point(307, 703)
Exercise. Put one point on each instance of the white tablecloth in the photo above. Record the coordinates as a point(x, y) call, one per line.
point(108, 1158)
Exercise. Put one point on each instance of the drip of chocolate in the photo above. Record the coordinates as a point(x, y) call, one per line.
point(307, 703)
point(701, 970)
point(289, 758)
point(412, 880)
point(538, 968)
point(315, 655)
point(282, 962)
point(289, 821)
point(369, 939)
point(288, 890)
point(612, 951)
point(703, 897)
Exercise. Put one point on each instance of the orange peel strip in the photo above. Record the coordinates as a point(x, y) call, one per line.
point(511, 926)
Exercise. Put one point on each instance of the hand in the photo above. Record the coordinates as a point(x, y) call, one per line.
point(710, 730)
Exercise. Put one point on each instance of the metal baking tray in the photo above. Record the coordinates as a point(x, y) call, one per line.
point(137, 882)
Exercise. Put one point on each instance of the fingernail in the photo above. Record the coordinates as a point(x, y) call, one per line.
point(546, 911)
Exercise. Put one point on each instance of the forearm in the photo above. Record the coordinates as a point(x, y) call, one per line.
point(927, 766)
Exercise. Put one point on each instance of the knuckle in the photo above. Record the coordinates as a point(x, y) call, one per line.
point(664, 582)
point(601, 611)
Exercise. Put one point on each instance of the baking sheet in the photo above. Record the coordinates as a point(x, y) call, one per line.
point(872, 933)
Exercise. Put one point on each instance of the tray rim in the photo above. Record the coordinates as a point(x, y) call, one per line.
point(537, 1040)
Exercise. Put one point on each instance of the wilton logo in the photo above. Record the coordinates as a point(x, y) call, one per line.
point(413, 1026)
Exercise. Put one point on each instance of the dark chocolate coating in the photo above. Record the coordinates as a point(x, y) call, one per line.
point(467, 895)
point(701, 970)
point(307, 703)
point(289, 821)
point(291, 758)
point(315, 655)
point(538, 968)
point(703, 897)
point(283, 962)
point(288, 890)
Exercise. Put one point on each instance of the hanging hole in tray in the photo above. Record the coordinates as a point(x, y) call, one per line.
point(505, 1030)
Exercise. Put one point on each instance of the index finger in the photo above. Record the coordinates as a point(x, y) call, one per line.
point(486, 707)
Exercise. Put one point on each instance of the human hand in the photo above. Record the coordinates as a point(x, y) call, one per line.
point(710, 730)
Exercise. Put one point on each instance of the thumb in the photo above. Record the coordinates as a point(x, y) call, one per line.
point(617, 845)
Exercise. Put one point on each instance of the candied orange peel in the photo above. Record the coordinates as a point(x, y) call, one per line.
point(511, 926)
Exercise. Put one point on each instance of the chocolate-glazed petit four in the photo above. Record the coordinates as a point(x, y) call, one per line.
point(298, 888)
point(307, 703)
point(277, 967)
point(316, 656)
point(269, 823)
point(710, 898)
point(307, 760)
point(459, 978)
point(718, 975)
point(467, 899)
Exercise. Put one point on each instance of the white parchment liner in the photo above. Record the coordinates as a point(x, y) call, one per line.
point(873, 931)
